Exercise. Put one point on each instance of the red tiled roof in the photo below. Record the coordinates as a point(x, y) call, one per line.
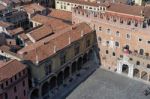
point(60, 14)
point(56, 24)
point(41, 32)
point(10, 68)
point(5, 24)
point(30, 8)
point(16, 31)
point(58, 41)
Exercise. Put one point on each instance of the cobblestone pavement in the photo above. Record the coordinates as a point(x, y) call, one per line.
point(107, 85)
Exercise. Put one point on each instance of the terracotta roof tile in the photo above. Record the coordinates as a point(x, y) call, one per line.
point(30, 8)
point(16, 31)
point(41, 32)
point(58, 41)
point(60, 14)
point(11, 68)
point(56, 24)
point(5, 24)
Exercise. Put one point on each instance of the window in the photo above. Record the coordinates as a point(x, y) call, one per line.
point(137, 63)
point(62, 59)
point(148, 66)
point(87, 43)
point(99, 39)
point(100, 28)
point(6, 83)
point(19, 74)
point(113, 54)
point(107, 52)
point(148, 42)
point(76, 49)
point(117, 44)
point(24, 92)
point(15, 89)
point(11, 80)
point(15, 77)
point(107, 42)
point(117, 33)
point(2, 86)
point(47, 69)
point(23, 83)
point(6, 96)
point(128, 36)
point(129, 22)
point(16, 97)
point(108, 31)
point(140, 39)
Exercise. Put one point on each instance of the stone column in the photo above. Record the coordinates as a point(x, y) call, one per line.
point(119, 67)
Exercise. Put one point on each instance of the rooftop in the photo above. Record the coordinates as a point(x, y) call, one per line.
point(61, 15)
point(16, 31)
point(33, 7)
point(41, 32)
point(56, 24)
point(5, 24)
point(10, 68)
point(48, 46)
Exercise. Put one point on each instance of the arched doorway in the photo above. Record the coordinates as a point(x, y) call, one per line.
point(85, 58)
point(34, 94)
point(60, 78)
point(66, 72)
point(53, 82)
point(79, 63)
point(136, 73)
point(144, 75)
point(125, 69)
point(73, 67)
point(45, 88)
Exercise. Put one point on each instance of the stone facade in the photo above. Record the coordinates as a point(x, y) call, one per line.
point(116, 33)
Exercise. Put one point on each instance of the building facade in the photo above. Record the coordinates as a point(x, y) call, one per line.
point(122, 37)
point(53, 62)
point(13, 80)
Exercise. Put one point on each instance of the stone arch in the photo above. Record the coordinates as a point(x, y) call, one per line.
point(125, 69)
point(85, 58)
point(53, 82)
point(144, 75)
point(60, 78)
point(66, 72)
point(79, 63)
point(45, 88)
point(136, 73)
point(35, 94)
point(73, 67)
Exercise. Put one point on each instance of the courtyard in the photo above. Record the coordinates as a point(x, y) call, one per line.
point(107, 85)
